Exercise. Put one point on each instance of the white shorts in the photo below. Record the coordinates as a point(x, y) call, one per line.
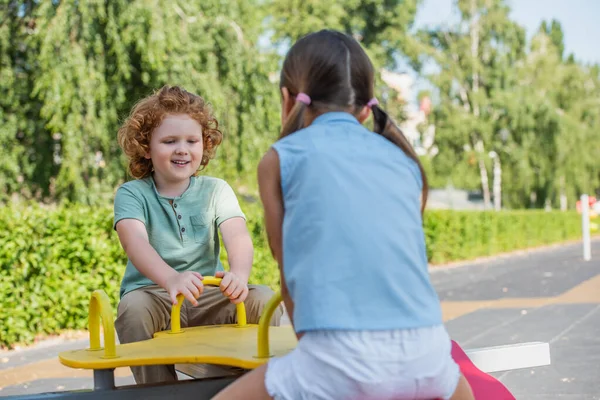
point(366, 365)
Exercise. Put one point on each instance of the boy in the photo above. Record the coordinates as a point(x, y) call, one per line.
point(167, 221)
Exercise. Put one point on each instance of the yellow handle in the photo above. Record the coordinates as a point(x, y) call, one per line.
point(100, 309)
point(263, 325)
point(176, 310)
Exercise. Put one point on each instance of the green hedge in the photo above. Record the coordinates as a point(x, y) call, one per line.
point(463, 235)
point(52, 258)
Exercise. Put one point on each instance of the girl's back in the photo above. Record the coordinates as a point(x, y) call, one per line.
point(343, 210)
point(352, 232)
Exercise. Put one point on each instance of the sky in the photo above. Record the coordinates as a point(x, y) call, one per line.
point(579, 20)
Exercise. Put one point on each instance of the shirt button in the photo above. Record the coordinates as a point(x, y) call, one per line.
point(183, 229)
point(179, 217)
point(175, 205)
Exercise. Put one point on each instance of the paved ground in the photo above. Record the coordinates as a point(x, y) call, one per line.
point(548, 295)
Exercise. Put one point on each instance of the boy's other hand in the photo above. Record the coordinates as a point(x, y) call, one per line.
point(188, 283)
point(232, 286)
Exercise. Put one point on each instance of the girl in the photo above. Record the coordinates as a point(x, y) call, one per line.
point(343, 212)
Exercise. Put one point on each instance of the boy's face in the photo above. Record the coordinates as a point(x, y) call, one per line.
point(176, 149)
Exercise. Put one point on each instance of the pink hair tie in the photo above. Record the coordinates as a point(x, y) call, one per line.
point(372, 102)
point(303, 98)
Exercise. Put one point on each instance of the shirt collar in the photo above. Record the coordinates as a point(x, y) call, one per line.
point(335, 116)
point(189, 189)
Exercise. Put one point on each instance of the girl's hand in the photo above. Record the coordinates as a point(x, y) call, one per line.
point(232, 286)
point(188, 283)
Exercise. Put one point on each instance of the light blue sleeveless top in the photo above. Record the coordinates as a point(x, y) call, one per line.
point(353, 243)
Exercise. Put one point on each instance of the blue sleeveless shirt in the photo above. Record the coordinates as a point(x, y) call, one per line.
point(353, 243)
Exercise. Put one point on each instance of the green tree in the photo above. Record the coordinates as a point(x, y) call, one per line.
point(74, 69)
point(71, 71)
point(535, 114)
point(556, 35)
point(381, 26)
point(554, 140)
point(471, 62)
point(25, 157)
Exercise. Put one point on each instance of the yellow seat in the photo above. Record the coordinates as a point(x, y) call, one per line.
point(241, 345)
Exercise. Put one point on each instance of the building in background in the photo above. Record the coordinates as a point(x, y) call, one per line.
point(421, 133)
point(415, 127)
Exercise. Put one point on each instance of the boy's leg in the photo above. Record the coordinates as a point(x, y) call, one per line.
point(215, 309)
point(142, 313)
point(258, 297)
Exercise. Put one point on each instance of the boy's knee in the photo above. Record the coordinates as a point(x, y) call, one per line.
point(258, 296)
point(135, 317)
point(135, 304)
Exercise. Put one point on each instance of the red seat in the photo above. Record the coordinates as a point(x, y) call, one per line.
point(485, 386)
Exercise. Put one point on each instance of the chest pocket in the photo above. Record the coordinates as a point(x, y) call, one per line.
point(202, 226)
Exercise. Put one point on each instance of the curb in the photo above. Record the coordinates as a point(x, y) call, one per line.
point(501, 256)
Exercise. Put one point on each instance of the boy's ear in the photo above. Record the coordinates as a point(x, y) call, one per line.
point(364, 114)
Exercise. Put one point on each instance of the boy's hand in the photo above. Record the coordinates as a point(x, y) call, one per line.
point(188, 283)
point(233, 286)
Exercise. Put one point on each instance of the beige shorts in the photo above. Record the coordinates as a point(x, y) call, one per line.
point(145, 311)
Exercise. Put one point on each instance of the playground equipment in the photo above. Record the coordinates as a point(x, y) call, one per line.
point(242, 345)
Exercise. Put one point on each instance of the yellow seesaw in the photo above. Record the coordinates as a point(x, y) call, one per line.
point(241, 345)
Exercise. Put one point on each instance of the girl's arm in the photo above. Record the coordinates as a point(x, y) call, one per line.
point(134, 239)
point(269, 185)
point(240, 253)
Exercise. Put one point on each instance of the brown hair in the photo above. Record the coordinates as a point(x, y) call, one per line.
point(135, 133)
point(335, 72)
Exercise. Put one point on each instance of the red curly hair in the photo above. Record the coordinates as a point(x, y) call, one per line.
point(135, 133)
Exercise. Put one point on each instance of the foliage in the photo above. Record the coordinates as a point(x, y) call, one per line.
point(453, 236)
point(51, 259)
point(49, 262)
point(381, 26)
point(522, 101)
point(72, 71)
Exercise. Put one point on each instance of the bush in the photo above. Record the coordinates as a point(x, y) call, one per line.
point(463, 235)
point(50, 261)
point(52, 258)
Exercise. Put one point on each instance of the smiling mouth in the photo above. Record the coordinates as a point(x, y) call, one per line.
point(180, 162)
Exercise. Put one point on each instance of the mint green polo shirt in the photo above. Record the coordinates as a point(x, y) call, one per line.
point(183, 230)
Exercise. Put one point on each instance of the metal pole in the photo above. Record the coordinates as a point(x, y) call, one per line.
point(585, 226)
point(104, 379)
